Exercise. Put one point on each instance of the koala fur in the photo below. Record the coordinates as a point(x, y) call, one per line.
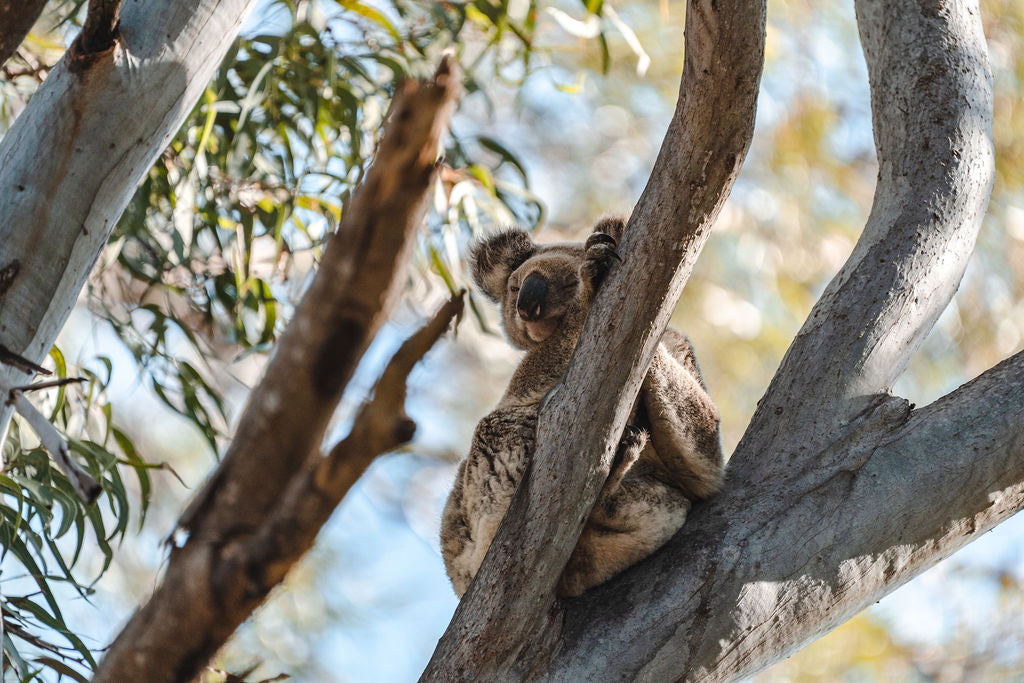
point(670, 454)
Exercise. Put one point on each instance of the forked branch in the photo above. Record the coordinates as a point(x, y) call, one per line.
point(839, 492)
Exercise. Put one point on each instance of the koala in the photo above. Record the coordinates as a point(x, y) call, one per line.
point(670, 454)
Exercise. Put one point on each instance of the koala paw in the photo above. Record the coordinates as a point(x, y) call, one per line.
point(600, 251)
point(632, 443)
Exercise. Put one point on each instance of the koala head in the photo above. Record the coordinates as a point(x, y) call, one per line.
point(536, 285)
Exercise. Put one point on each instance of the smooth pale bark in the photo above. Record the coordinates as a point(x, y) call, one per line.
point(509, 616)
point(931, 104)
point(838, 493)
point(73, 158)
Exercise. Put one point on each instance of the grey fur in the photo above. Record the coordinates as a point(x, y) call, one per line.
point(670, 454)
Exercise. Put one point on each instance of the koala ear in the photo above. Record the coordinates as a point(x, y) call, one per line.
point(611, 225)
point(494, 258)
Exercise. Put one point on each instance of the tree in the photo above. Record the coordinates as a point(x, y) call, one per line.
point(758, 570)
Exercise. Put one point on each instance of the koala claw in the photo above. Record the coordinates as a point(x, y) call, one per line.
point(600, 249)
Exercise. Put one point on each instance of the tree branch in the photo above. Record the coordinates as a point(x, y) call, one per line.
point(749, 580)
point(512, 597)
point(931, 103)
point(16, 20)
point(100, 29)
point(203, 597)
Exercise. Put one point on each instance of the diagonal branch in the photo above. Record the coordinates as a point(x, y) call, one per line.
point(931, 103)
point(16, 20)
point(749, 580)
point(203, 596)
point(337, 319)
point(512, 597)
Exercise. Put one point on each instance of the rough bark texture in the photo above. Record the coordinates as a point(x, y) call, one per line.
point(271, 493)
point(16, 20)
point(73, 158)
point(508, 619)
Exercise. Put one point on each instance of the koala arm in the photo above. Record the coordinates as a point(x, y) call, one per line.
point(484, 487)
point(683, 420)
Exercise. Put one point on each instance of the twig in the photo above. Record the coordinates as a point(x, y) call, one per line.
point(8, 357)
point(85, 486)
point(13, 628)
point(381, 424)
point(63, 381)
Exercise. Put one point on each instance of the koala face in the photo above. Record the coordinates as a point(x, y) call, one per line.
point(535, 284)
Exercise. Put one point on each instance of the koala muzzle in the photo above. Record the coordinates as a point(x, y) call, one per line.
point(532, 296)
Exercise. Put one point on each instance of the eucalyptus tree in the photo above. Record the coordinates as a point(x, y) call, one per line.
point(808, 528)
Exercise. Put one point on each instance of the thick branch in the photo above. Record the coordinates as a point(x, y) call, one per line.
point(931, 102)
point(202, 600)
point(838, 493)
point(513, 593)
point(74, 156)
point(16, 20)
point(751, 579)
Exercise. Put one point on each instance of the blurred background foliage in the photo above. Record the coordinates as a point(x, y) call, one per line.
point(566, 104)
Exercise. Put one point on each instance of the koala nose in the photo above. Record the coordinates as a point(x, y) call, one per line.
point(532, 294)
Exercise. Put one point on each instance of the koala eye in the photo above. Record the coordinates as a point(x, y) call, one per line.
point(513, 289)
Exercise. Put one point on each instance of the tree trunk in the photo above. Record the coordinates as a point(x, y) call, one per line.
point(73, 158)
point(838, 492)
